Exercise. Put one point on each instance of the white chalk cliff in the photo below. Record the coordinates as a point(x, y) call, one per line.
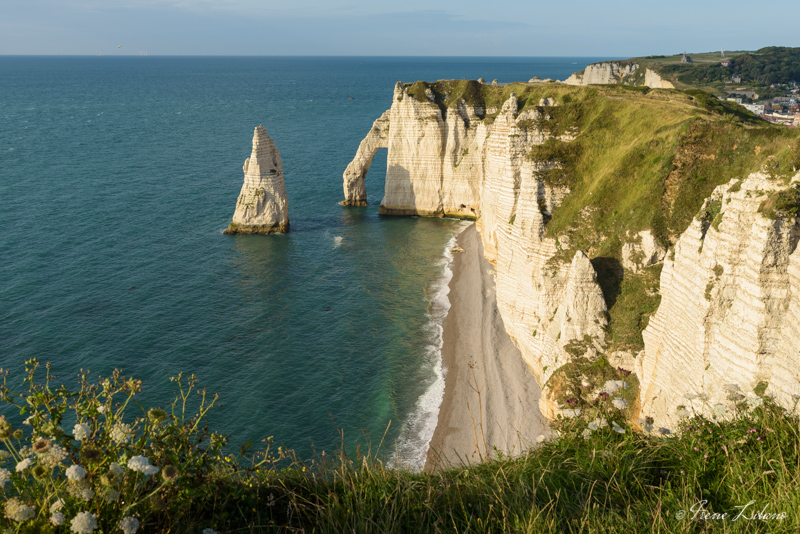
point(262, 207)
point(730, 306)
point(729, 317)
point(614, 72)
point(447, 162)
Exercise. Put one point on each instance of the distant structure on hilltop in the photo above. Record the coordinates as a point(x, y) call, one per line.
point(686, 59)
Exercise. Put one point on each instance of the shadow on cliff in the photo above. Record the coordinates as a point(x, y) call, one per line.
point(399, 192)
point(609, 276)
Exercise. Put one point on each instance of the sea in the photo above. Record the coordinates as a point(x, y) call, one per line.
point(118, 176)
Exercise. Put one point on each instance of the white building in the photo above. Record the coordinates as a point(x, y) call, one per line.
point(758, 109)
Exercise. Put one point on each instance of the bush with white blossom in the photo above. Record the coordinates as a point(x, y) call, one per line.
point(114, 471)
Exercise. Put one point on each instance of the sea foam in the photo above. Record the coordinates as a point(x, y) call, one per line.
point(415, 437)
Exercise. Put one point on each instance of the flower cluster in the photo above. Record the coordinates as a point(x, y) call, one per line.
point(77, 481)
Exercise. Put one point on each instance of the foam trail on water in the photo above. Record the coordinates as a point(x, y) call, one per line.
point(337, 241)
point(415, 437)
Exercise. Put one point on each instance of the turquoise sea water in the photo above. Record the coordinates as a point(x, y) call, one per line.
point(121, 173)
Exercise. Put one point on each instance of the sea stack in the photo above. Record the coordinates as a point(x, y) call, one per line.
point(262, 207)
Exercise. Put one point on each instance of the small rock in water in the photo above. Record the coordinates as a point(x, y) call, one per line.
point(132, 287)
point(328, 309)
point(456, 249)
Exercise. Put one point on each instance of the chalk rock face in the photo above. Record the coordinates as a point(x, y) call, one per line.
point(262, 207)
point(730, 307)
point(602, 73)
point(617, 73)
point(450, 162)
point(654, 81)
point(642, 252)
point(355, 193)
point(583, 310)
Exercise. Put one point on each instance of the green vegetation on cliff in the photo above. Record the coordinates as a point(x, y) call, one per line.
point(770, 65)
point(165, 471)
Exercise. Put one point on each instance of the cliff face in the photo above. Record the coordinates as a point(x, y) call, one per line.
point(426, 150)
point(728, 318)
point(613, 72)
point(451, 162)
point(262, 207)
point(577, 197)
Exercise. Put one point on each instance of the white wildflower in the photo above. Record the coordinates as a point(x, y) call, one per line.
point(110, 495)
point(26, 452)
point(703, 397)
point(24, 464)
point(28, 420)
point(600, 422)
point(569, 413)
point(5, 476)
point(4, 454)
point(619, 403)
point(84, 523)
point(16, 510)
point(56, 506)
point(57, 519)
point(101, 408)
point(81, 431)
point(689, 396)
point(85, 492)
point(754, 402)
point(120, 433)
point(115, 469)
point(129, 525)
point(81, 489)
point(612, 386)
point(587, 434)
point(720, 410)
point(142, 465)
point(682, 412)
point(592, 426)
point(617, 428)
point(731, 388)
point(209, 531)
point(54, 456)
point(540, 438)
point(76, 472)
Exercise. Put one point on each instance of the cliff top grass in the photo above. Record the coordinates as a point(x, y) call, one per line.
point(165, 471)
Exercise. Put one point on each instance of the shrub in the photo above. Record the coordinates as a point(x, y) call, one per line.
point(80, 461)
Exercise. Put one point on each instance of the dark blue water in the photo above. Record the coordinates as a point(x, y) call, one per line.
point(122, 172)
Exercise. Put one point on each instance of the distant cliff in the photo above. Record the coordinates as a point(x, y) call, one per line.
point(579, 193)
point(619, 72)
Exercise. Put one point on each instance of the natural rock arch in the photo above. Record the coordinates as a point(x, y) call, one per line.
point(355, 192)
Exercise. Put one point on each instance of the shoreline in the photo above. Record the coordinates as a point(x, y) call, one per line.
point(491, 398)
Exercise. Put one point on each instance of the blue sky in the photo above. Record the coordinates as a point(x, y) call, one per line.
point(408, 27)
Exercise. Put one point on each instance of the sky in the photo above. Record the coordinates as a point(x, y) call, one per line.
point(611, 28)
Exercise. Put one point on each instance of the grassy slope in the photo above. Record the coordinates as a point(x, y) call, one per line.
point(604, 482)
